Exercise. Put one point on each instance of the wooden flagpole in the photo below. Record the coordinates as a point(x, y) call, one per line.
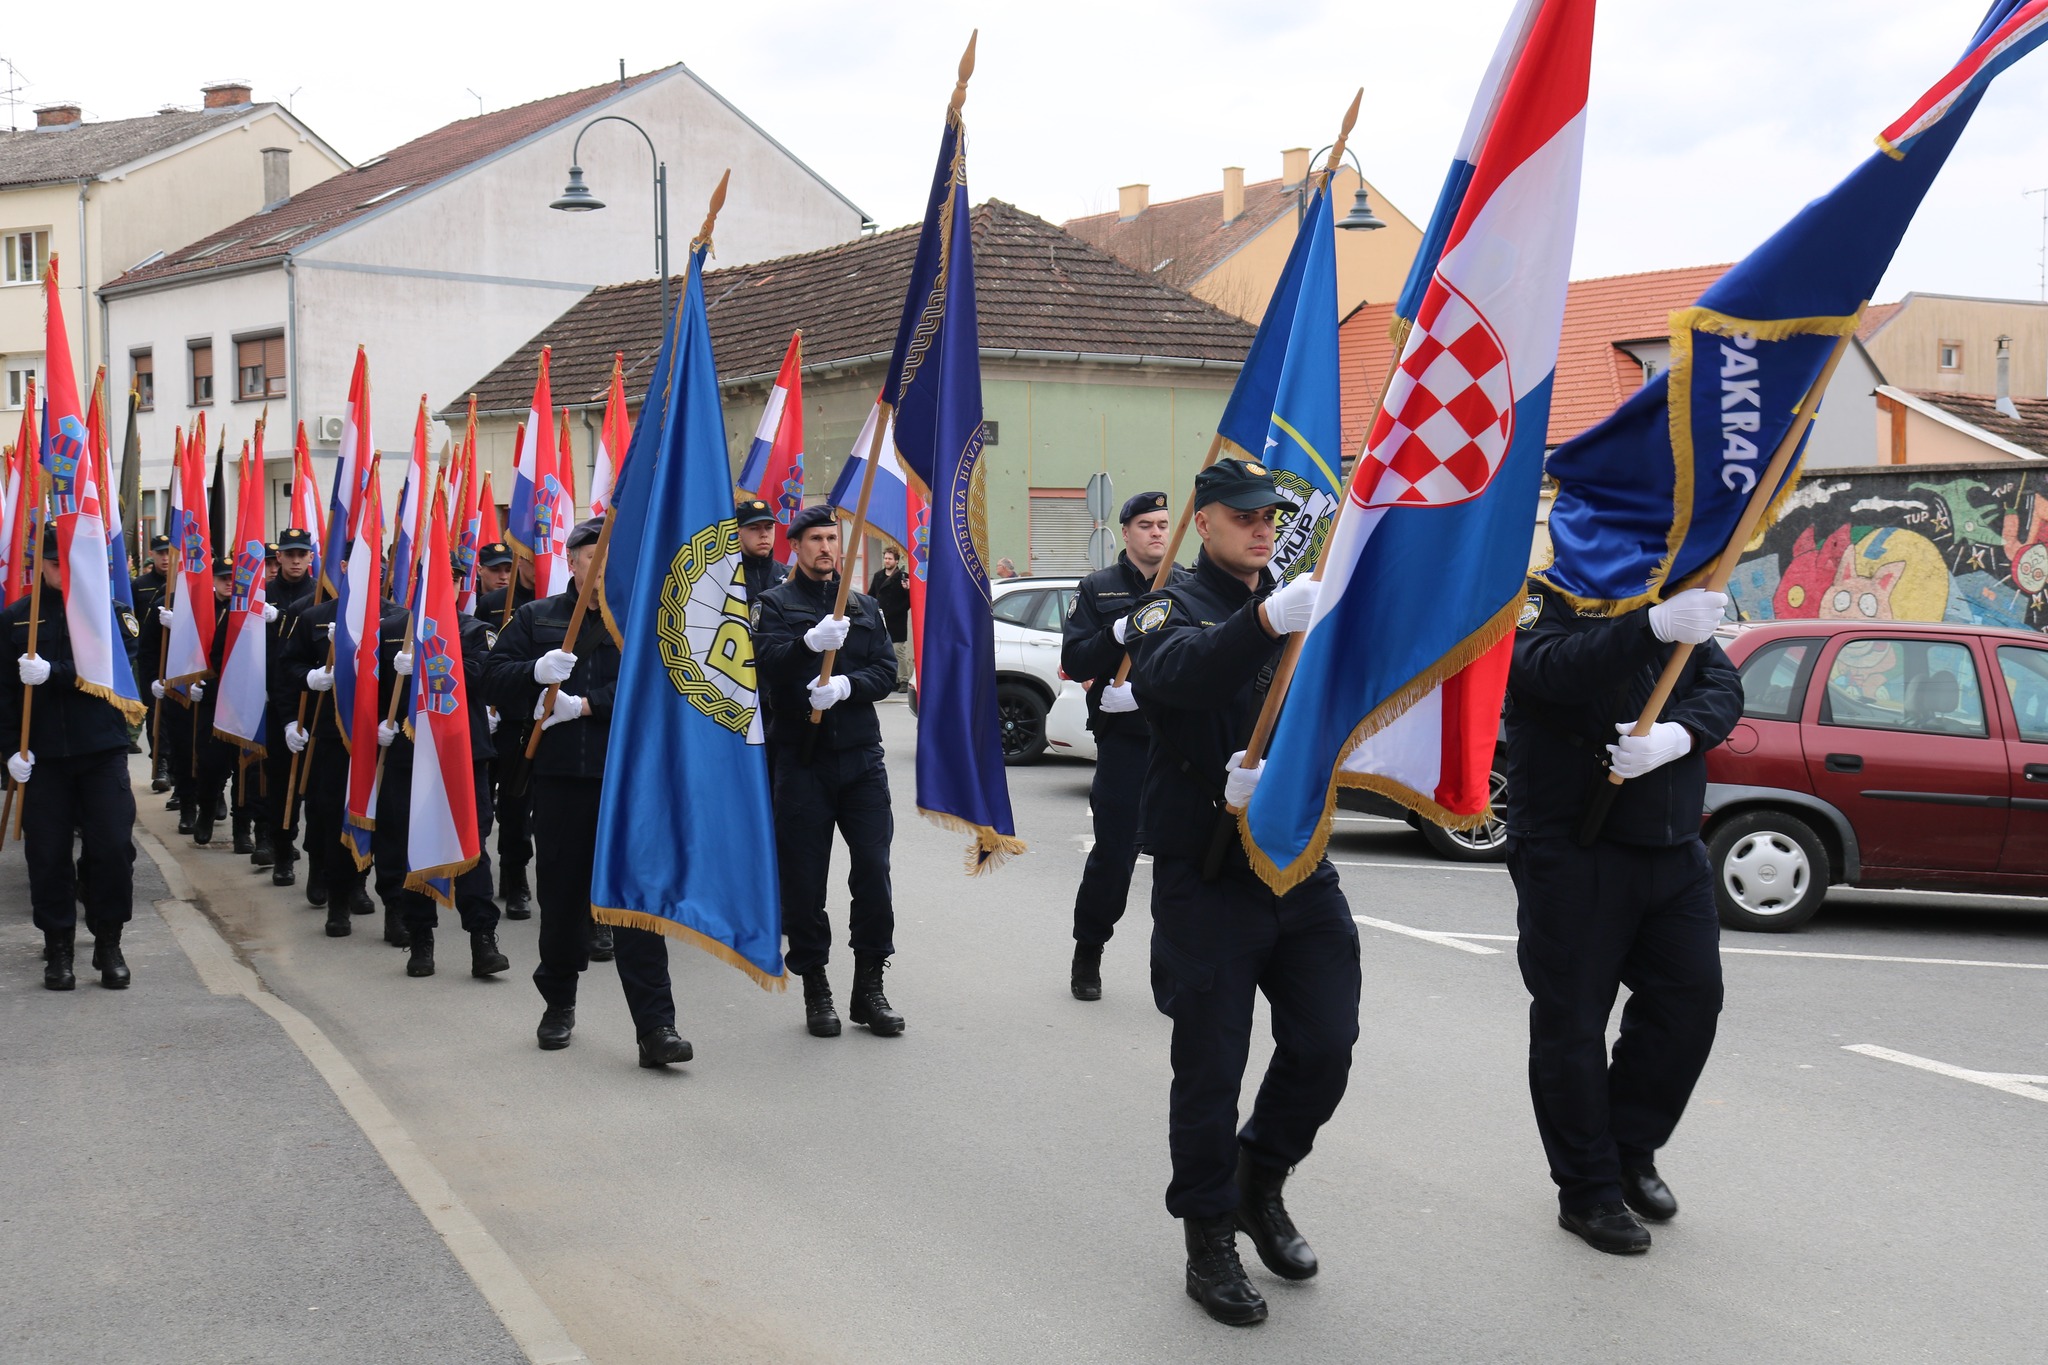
point(34, 492)
point(1180, 534)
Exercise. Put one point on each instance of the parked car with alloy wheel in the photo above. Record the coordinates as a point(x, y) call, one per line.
point(1879, 754)
point(1029, 613)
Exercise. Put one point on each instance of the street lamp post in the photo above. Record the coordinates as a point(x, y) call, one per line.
point(1361, 218)
point(577, 198)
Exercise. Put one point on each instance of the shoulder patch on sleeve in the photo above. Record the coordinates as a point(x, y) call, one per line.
point(490, 638)
point(129, 624)
point(1532, 612)
point(1151, 616)
point(754, 614)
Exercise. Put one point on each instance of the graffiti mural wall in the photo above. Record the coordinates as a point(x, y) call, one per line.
point(1934, 543)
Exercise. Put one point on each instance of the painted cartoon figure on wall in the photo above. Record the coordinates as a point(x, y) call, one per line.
point(1888, 546)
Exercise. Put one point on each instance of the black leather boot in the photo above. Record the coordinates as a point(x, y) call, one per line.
point(244, 842)
point(316, 884)
point(512, 890)
point(867, 1005)
point(339, 922)
point(281, 873)
point(1262, 1214)
point(220, 807)
point(1086, 977)
point(107, 959)
point(484, 957)
point(556, 1024)
point(202, 827)
point(1216, 1278)
point(819, 1015)
point(1608, 1227)
point(263, 855)
point(397, 935)
point(176, 802)
point(421, 941)
point(601, 949)
point(358, 901)
point(58, 945)
point(185, 820)
point(159, 777)
point(662, 1046)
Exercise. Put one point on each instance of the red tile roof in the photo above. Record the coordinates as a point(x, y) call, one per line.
point(2029, 429)
point(1875, 317)
point(1181, 240)
point(1594, 375)
point(377, 182)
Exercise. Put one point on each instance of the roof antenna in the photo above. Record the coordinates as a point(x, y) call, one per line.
point(11, 95)
point(479, 101)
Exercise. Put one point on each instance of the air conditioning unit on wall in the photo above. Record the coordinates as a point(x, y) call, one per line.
point(327, 430)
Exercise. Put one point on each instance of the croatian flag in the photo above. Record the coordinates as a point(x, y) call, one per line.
point(774, 468)
point(611, 441)
point(190, 648)
point(544, 530)
point(889, 501)
point(405, 545)
point(238, 714)
point(357, 619)
point(14, 508)
point(98, 639)
point(565, 461)
point(441, 841)
point(487, 532)
point(1400, 679)
point(305, 500)
point(349, 468)
point(519, 514)
point(468, 522)
point(118, 581)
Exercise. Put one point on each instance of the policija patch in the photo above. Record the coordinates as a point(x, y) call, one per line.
point(1532, 612)
point(700, 627)
point(1151, 616)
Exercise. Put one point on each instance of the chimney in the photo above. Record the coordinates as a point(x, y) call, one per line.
point(1131, 200)
point(1294, 165)
point(57, 115)
point(225, 94)
point(2005, 403)
point(1233, 193)
point(277, 176)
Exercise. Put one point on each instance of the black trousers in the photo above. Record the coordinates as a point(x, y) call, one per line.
point(1113, 795)
point(1591, 921)
point(215, 765)
point(514, 804)
point(849, 789)
point(175, 742)
point(326, 808)
point(565, 847)
point(1214, 945)
point(280, 812)
point(472, 889)
point(88, 795)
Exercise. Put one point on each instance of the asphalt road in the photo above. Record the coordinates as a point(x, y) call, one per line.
point(989, 1186)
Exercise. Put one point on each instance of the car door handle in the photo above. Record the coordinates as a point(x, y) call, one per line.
point(1845, 763)
point(2036, 772)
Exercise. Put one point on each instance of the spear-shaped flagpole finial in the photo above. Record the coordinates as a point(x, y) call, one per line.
point(703, 237)
point(966, 71)
point(1344, 133)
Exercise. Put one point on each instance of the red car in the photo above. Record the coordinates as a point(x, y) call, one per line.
point(1879, 754)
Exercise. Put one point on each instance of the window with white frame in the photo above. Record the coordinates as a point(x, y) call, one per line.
point(19, 378)
point(27, 253)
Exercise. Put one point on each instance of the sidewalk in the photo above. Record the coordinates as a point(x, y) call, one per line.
point(181, 1185)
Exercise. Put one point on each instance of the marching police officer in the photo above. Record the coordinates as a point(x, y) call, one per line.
point(498, 596)
point(215, 760)
point(1202, 653)
point(292, 593)
point(758, 563)
point(829, 773)
point(74, 778)
point(1093, 648)
point(147, 590)
point(567, 777)
point(1632, 904)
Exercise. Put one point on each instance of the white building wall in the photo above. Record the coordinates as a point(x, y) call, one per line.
point(1843, 431)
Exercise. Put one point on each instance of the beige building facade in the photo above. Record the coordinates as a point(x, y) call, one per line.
point(1948, 343)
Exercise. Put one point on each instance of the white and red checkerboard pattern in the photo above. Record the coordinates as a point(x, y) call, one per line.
point(1449, 415)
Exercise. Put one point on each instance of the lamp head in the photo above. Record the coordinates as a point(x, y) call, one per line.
point(576, 196)
point(1361, 218)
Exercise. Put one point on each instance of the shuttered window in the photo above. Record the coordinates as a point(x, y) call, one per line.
point(259, 368)
point(1059, 532)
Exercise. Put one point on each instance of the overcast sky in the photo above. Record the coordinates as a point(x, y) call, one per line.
point(1710, 122)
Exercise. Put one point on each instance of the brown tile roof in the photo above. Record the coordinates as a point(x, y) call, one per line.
point(1875, 317)
point(1036, 289)
point(414, 167)
point(1594, 375)
point(73, 151)
point(1181, 240)
point(2029, 429)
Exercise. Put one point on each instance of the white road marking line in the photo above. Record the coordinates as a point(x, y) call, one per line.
point(1426, 867)
point(1427, 935)
point(2027, 1087)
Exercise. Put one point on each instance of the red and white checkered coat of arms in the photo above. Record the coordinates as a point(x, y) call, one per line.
point(1449, 415)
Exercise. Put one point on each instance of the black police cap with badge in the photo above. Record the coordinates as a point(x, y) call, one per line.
point(1139, 504)
point(494, 555)
point(811, 518)
point(752, 512)
point(159, 543)
point(1243, 484)
point(295, 538)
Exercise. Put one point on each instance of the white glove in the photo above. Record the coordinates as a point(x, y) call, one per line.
point(1292, 605)
point(269, 613)
point(1239, 783)
point(197, 691)
point(401, 663)
point(295, 737)
point(826, 695)
point(20, 765)
point(567, 707)
point(1121, 625)
point(35, 670)
point(320, 679)
point(1690, 618)
point(829, 633)
point(157, 689)
point(166, 615)
point(387, 730)
point(553, 667)
point(491, 720)
point(1118, 697)
point(1634, 756)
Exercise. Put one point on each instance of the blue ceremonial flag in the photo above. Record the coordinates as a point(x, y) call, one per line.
point(934, 388)
point(685, 834)
point(1647, 499)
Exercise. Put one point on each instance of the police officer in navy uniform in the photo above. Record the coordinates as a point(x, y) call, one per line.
point(74, 780)
point(1634, 906)
point(292, 593)
point(829, 774)
point(505, 584)
point(1203, 652)
point(216, 761)
point(1093, 648)
point(147, 591)
point(758, 564)
point(567, 779)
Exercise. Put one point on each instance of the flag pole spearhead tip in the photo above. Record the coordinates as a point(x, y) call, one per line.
point(966, 73)
point(1344, 133)
point(703, 237)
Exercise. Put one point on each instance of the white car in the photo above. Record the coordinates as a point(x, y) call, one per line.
point(1042, 709)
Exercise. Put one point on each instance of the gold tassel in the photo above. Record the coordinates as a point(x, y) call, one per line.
point(419, 881)
point(668, 928)
point(990, 849)
point(131, 711)
point(363, 860)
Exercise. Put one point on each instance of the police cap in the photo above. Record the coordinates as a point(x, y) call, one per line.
point(159, 542)
point(49, 538)
point(295, 538)
point(269, 552)
point(223, 566)
point(810, 519)
point(1242, 484)
point(1139, 504)
point(585, 532)
point(495, 555)
point(752, 512)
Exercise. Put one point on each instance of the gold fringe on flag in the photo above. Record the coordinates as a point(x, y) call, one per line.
point(668, 928)
point(132, 711)
point(350, 818)
point(990, 849)
point(421, 880)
